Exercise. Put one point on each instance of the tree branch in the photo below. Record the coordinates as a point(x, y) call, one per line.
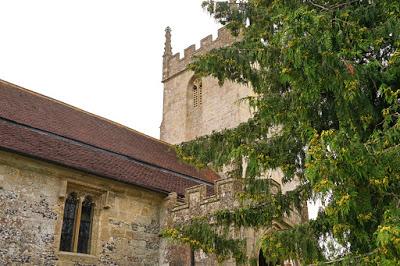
point(344, 4)
point(319, 6)
point(340, 5)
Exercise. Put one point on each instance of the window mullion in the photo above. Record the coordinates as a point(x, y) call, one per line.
point(77, 224)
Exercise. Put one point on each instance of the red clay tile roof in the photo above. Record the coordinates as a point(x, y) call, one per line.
point(42, 127)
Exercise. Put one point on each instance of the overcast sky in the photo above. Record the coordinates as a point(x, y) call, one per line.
point(103, 56)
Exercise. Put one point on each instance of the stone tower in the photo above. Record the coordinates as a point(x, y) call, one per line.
point(195, 107)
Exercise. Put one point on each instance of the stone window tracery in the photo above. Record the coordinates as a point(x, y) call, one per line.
point(197, 90)
point(77, 223)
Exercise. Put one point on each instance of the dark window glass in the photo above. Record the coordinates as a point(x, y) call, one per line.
point(85, 226)
point(71, 204)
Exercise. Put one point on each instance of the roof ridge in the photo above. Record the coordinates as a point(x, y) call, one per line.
point(84, 111)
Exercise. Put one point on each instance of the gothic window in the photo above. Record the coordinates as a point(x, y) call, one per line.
point(85, 226)
point(197, 90)
point(77, 224)
point(70, 208)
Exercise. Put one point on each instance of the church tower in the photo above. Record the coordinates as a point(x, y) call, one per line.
point(193, 106)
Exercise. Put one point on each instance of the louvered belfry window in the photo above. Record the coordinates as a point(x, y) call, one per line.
point(197, 93)
point(77, 224)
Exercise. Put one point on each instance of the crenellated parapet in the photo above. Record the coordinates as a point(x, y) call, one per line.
point(176, 64)
point(197, 202)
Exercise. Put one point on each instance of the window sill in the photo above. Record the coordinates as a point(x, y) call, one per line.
point(81, 257)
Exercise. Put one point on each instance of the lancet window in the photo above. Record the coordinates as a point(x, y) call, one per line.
point(77, 223)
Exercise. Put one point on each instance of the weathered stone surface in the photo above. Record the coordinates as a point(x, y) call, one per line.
point(125, 231)
point(220, 108)
point(196, 204)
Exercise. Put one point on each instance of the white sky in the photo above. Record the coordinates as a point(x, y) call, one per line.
point(103, 56)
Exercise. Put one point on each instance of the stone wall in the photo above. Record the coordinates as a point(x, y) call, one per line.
point(125, 224)
point(196, 204)
point(221, 106)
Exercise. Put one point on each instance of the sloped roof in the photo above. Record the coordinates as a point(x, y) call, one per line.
point(45, 128)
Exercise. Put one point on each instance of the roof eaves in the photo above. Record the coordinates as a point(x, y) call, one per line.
point(143, 163)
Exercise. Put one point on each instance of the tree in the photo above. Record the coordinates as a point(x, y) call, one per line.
point(327, 74)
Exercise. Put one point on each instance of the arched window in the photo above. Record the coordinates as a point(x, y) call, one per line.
point(77, 224)
point(85, 226)
point(197, 90)
point(67, 234)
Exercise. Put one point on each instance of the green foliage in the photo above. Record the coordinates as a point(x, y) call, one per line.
point(299, 243)
point(199, 234)
point(388, 233)
point(326, 77)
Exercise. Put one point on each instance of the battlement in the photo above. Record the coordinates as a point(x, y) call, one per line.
point(176, 64)
point(198, 204)
point(197, 201)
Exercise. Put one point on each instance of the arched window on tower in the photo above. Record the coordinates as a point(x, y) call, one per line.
point(197, 90)
point(77, 224)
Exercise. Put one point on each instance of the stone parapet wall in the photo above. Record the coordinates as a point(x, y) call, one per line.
point(197, 203)
point(176, 64)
